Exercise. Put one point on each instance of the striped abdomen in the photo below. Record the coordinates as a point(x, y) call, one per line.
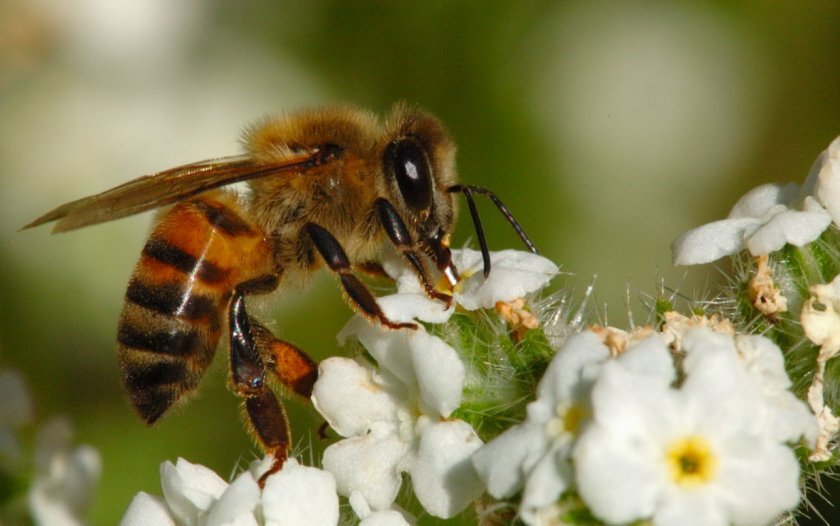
point(176, 301)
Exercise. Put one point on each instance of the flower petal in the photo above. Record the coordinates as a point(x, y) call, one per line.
point(791, 226)
point(550, 477)
point(388, 347)
point(237, 504)
point(514, 274)
point(650, 357)
point(443, 477)
point(762, 481)
point(618, 479)
point(572, 369)
point(349, 399)
point(300, 496)
point(190, 489)
point(368, 465)
point(499, 463)
point(146, 510)
point(404, 307)
point(440, 373)
point(828, 180)
point(385, 518)
point(712, 241)
point(765, 201)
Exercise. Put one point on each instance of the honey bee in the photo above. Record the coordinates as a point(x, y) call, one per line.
point(327, 188)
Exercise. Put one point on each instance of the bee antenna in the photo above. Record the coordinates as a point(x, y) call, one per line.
point(468, 190)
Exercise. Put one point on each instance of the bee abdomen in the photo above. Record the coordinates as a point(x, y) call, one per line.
point(171, 320)
point(163, 354)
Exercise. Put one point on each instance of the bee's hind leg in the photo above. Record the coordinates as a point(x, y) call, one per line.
point(266, 414)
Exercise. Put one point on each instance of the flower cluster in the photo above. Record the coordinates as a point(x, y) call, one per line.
point(794, 283)
point(770, 216)
point(59, 481)
point(394, 407)
point(698, 420)
point(194, 495)
point(639, 438)
point(395, 411)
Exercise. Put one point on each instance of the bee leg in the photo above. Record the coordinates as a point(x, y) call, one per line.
point(360, 297)
point(401, 238)
point(293, 367)
point(265, 413)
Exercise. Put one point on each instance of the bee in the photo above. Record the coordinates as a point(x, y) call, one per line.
point(328, 187)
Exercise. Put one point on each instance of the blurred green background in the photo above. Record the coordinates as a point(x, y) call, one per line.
point(607, 127)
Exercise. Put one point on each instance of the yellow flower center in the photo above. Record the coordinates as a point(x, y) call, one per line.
point(568, 418)
point(691, 461)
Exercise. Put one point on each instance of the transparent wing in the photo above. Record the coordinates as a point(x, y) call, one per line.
point(169, 186)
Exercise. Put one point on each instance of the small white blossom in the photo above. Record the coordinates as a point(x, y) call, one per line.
point(300, 495)
point(825, 179)
point(196, 496)
point(534, 455)
point(513, 274)
point(770, 216)
point(703, 454)
point(65, 476)
point(395, 421)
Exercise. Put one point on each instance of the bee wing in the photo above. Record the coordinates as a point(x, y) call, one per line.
point(166, 187)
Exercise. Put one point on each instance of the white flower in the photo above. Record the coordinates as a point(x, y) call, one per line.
point(535, 454)
point(195, 495)
point(395, 421)
point(702, 454)
point(300, 495)
point(65, 476)
point(513, 275)
point(770, 216)
point(825, 178)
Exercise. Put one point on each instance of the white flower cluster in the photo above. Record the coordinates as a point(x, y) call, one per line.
point(65, 478)
point(65, 475)
point(689, 426)
point(394, 416)
point(639, 438)
point(195, 496)
point(770, 216)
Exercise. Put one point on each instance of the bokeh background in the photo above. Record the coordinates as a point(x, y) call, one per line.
point(607, 127)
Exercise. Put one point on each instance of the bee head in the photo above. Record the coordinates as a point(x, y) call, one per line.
point(418, 162)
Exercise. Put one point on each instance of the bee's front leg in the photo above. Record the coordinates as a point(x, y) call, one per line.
point(401, 238)
point(265, 413)
point(360, 297)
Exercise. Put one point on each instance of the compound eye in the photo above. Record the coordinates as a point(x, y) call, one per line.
point(407, 160)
